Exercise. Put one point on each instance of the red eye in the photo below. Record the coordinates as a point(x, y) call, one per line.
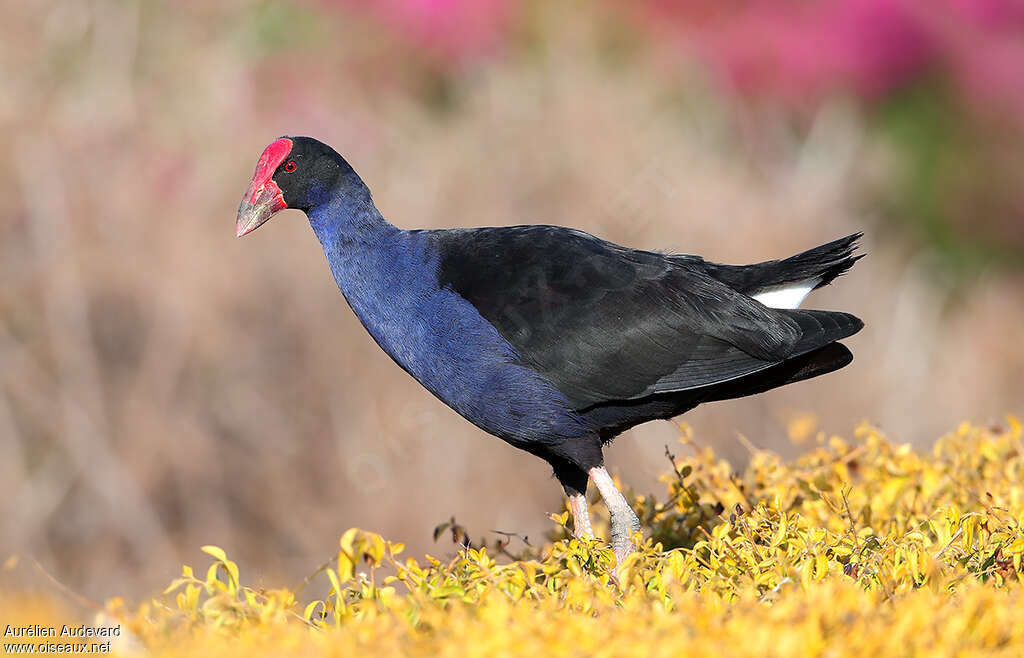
point(290, 167)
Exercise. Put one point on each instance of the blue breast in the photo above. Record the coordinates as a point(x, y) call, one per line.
point(389, 277)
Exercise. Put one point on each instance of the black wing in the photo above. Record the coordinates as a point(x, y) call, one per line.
point(603, 322)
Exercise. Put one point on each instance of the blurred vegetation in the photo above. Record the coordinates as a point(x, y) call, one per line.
point(958, 190)
point(163, 385)
point(939, 85)
point(857, 548)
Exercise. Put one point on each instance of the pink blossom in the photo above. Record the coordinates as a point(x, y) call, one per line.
point(800, 51)
point(453, 30)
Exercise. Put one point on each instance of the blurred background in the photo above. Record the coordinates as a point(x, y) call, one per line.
point(164, 385)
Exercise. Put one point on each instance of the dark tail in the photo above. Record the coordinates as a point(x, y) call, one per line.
point(819, 362)
point(819, 328)
point(824, 263)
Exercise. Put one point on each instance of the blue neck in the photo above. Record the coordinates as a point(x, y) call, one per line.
point(349, 220)
point(375, 264)
point(389, 278)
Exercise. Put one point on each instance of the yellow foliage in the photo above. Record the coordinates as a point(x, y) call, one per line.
point(858, 548)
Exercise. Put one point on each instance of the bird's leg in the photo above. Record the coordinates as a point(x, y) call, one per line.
point(580, 514)
point(624, 521)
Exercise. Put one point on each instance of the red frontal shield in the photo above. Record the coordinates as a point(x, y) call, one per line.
point(263, 198)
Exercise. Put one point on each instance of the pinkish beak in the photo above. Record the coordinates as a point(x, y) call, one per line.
point(257, 207)
point(264, 197)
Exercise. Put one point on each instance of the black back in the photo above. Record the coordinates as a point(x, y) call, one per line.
point(605, 323)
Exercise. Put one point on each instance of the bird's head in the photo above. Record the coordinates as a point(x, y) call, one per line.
point(293, 172)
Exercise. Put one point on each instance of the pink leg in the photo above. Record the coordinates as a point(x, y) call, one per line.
point(580, 516)
point(624, 521)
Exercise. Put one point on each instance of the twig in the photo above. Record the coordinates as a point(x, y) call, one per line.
point(81, 599)
point(956, 535)
point(751, 448)
point(509, 535)
point(849, 515)
point(319, 570)
point(675, 469)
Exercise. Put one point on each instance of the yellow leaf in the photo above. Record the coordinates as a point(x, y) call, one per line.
point(215, 551)
point(800, 427)
point(175, 584)
point(820, 566)
point(308, 612)
point(807, 573)
point(561, 519)
point(211, 573)
point(333, 577)
point(232, 570)
point(1015, 426)
point(376, 548)
point(780, 533)
point(346, 568)
point(347, 540)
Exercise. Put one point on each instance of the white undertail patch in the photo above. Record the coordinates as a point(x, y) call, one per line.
point(788, 295)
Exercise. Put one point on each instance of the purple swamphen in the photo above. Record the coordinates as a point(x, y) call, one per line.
point(550, 338)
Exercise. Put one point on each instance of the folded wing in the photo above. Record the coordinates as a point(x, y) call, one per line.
point(604, 323)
